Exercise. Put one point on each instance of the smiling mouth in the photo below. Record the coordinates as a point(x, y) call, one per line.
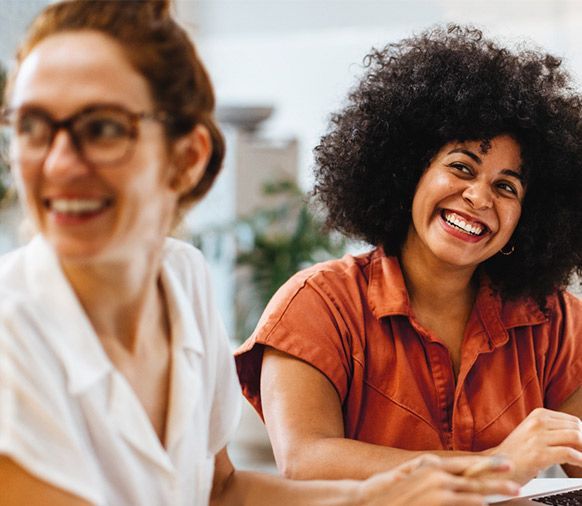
point(474, 229)
point(77, 206)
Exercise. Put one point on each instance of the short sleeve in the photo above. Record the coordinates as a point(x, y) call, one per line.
point(226, 399)
point(304, 320)
point(563, 375)
point(37, 426)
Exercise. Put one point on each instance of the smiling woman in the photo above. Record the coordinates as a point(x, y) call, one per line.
point(467, 203)
point(118, 200)
point(460, 162)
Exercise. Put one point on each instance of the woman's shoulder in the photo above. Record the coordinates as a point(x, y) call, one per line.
point(187, 264)
point(187, 277)
point(559, 315)
point(340, 273)
point(13, 266)
point(338, 285)
point(564, 302)
point(182, 254)
point(29, 268)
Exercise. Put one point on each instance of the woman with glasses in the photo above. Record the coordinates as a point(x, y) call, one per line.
point(460, 162)
point(117, 385)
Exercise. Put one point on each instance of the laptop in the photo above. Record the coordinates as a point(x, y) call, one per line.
point(560, 495)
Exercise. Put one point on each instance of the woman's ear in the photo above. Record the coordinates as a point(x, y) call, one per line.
point(190, 155)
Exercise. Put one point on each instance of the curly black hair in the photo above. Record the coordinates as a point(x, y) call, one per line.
point(452, 84)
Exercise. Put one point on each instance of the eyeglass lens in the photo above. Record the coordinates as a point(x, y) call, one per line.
point(102, 136)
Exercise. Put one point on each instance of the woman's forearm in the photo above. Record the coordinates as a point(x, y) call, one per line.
point(240, 488)
point(341, 458)
point(246, 488)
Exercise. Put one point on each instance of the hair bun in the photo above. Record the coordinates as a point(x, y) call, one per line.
point(160, 8)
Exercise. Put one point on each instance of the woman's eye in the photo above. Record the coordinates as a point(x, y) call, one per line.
point(506, 187)
point(104, 130)
point(461, 167)
point(33, 127)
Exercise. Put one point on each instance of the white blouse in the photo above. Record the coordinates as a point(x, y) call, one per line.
point(70, 418)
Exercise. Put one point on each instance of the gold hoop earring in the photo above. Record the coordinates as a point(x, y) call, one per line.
point(509, 252)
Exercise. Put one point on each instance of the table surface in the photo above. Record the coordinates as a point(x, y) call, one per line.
point(540, 486)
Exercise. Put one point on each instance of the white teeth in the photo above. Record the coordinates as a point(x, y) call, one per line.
point(76, 206)
point(457, 221)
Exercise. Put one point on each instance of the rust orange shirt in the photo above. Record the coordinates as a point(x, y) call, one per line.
point(351, 319)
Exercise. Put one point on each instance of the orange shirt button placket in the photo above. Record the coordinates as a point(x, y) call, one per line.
point(444, 381)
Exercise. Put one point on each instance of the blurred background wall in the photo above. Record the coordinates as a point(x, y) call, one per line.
point(302, 55)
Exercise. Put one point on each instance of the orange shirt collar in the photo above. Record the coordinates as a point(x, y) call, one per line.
point(387, 296)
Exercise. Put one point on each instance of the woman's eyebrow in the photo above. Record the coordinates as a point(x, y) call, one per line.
point(470, 154)
point(473, 156)
point(513, 173)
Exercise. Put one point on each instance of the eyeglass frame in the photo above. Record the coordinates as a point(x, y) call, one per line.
point(67, 124)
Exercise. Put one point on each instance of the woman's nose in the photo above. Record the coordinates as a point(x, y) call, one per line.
point(478, 195)
point(62, 158)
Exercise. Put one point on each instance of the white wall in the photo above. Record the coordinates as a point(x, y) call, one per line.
point(302, 56)
point(15, 15)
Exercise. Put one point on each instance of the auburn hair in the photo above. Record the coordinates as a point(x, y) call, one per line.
point(160, 50)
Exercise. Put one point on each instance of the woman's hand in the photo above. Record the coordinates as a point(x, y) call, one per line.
point(543, 439)
point(430, 481)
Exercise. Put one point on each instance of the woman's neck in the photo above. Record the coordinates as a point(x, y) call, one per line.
point(123, 300)
point(434, 284)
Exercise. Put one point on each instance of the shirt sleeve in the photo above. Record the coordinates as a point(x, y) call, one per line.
point(563, 375)
point(226, 399)
point(37, 429)
point(305, 320)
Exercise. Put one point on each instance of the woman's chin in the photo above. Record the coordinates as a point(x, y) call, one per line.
point(72, 250)
point(462, 258)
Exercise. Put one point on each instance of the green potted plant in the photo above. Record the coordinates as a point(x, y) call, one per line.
point(282, 239)
point(4, 170)
point(278, 239)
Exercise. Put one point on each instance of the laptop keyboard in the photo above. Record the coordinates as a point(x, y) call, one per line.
point(572, 498)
